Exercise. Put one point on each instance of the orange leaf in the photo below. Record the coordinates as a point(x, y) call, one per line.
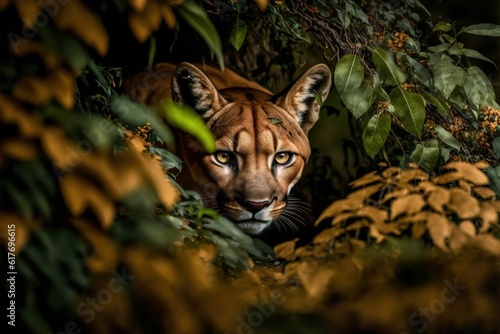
point(484, 192)
point(152, 15)
point(62, 83)
point(50, 59)
point(28, 10)
point(168, 15)
point(467, 172)
point(366, 179)
point(75, 193)
point(139, 26)
point(407, 205)
point(468, 227)
point(77, 18)
point(463, 204)
point(32, 90)
point(487, 242)
point(138, 5)
point(412, 175)
point(328, 235)
point(19, 149)
point(458, 238)
point(11, 112)
point(439, 229)
point(438, 198)
point(285, 250)
point(336, 208)
point(489, 216)
point(4, 4)
point(262, 4)
point(21, 227)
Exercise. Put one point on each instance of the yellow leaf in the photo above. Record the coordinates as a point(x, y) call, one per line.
point(438, 198)
point(463, 204)
point(102, 206)
point(458, 238)
point(366, 179)
point(77, 18)
point(376, 215)
point(407, 205)
point(168, 15)
point(285, 250)
point(316, 283)
point(20, 226)
point(439, 229)
point(138, 5)
point(468, 227)
point(466, 171)
point(418, 229)
point(484, 192)
point(28, 10)
point(488, 243)
point(489, 216)
point(12, 112)
point(375, 233)
point(411, 175)
point(336, 208)
point(31, 90)
point(50, 59)
point(328, 235)
point(75, 190)
point(152, 15)
point(19, 149)
point(139, 27)
point(262, 4)
point(105, 253)
point(62, 83)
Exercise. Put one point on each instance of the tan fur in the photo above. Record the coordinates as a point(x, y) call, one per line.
point(248, 123)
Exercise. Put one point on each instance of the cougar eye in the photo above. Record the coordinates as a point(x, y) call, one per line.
point(222, 157)
point(283, 158)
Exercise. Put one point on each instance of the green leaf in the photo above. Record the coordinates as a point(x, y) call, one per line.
point(410, 108)
point(349, 73)
point(446, 75)
point(186, 119)
point(484, 29)
point(439, 48)
point(426, 157)
point(447, 137)
point(377, 86)
point(376, 132)
point(387, 69)
point(198, 19)
point(65, 45)
point(496, 146)
point(474, 54)
point(359, 100)
point(442, 26)
point(238, 33)
point(421, 73)
point(478, 88)
point(441, 106)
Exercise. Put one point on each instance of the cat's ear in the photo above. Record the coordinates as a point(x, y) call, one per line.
point(303, 100)
point(192, 87)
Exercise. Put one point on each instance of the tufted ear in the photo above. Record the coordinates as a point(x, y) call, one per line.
point(192, 87)
point(301, 101)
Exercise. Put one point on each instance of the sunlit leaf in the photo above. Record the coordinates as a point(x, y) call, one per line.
point(188, 120)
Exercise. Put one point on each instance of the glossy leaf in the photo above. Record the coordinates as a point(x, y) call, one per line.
point(410, 108)
point(376, 132)
point(387, 69)
point(189, 121)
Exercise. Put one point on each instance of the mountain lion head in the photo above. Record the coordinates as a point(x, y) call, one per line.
point(261, 144)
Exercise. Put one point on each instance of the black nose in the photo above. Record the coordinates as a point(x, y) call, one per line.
point(255, 207)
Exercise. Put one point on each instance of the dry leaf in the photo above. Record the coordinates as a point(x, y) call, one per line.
point(328, 235)
point(489, 216)
point(468, 227)
point(463, 204)
point(407, 205)
point(77, 18)
point(336, 208)
point(467, 172)
point(285, 250)
point(458, 238)
point(439, 229)
point(438, 198)
point(484, 192)
point(366, 179)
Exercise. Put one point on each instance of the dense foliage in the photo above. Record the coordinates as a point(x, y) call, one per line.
point(100, 238)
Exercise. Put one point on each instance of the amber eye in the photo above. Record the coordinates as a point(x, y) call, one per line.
point(222, 157)
point(283, 158)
